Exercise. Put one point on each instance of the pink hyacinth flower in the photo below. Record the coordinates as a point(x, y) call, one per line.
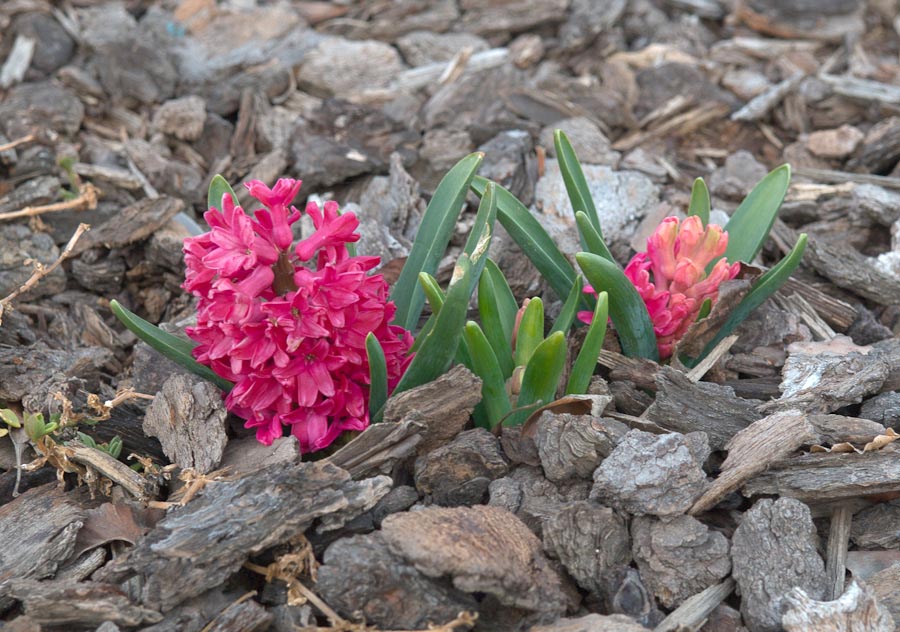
point(671, 276)
point(290, 336)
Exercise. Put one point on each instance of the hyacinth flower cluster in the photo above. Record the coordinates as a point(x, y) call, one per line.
point(671, 276)
point(286, 323)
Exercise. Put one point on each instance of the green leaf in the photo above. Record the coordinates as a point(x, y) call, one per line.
point(86, 439)
point(176, 349)
point(433, 292)
point(705, 309)
point(493, 384)
point(578, 189)
point(766, 286)
point(431, 241)
point(541, 378)
point(10, 418)
point(440, 345)
point(751, 222)
point(700, 204)
point(591, 238)
point(569, 309)
point(531, 332)
point(378, 379)
point(627, 309)
point(479, 240)
point(497, 309)
point(527, 232)
point(586, 360)
point(218, 187)
point(114, 449)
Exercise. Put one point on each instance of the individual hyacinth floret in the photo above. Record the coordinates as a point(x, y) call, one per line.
point(671, 276)
point(287, 324)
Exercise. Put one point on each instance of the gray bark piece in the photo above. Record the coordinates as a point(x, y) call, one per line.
point(660, 475)
point(857, 609)
point(444, 406)
point(819, 478)
point(424, 47)
point(341, 67)
point(485, 17)
point(592, 145)
point(266, 508)
point(509, 161)
point(884, 408)
point(182, 118)
point(18, 244)
point(685, 406)
point(590, 540)
point(844, 266)
point(532, 497)
point(482, 549)
point(393, 594)
point(875, 528)
point(134, 223)
point(839, 428)
point(593, 623)
point(774, 551)
point(821, 377)
point(68, 602)
point(40, 106)
point(876, 203)
point(679, 558)
point(37, 532)
point(460, 472)
point(573, 446)
point(188, 417)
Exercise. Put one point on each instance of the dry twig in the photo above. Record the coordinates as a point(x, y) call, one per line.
point(86, 201)
point(40, 271)
point(15, 143)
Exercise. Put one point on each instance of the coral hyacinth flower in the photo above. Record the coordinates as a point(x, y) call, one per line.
point(671, 276)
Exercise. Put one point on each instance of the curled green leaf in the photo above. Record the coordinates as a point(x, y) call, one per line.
point(541, 377)
point(531, 332)
point(751, 222)
point(626, 308)
point(569, 310)
point(497, 309)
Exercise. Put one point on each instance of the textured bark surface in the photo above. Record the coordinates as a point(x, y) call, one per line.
point(572, 446)
point(679, 557)
point(684, 406)
point(875, 528)
point(818, 478)
point(442, 406)
point(460, 472)
point(660, 475)
point(754, 449)
point(481, 549)
point(269, 507)
point(188, 417)
point(855, 610)
point(585, 527)
point(61, 603)
point(784, 530)
point(532, 497)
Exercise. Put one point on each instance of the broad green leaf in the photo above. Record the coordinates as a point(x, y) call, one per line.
point(591, 239)
point(494, 398)
point(531, 332)
point(531, 237)
point(705, 309)
point(176, 349)
point(440, 344)
point(576, 185)
point(10, 418)
point(569, 310)
point(586, 360)
point(541, 377)
point(378, 379)
point(700, 204)
point(627, 309)
point(218, 187)
point(751, 222)
point(766, 286)
point(431, 241)
point(497, 309)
